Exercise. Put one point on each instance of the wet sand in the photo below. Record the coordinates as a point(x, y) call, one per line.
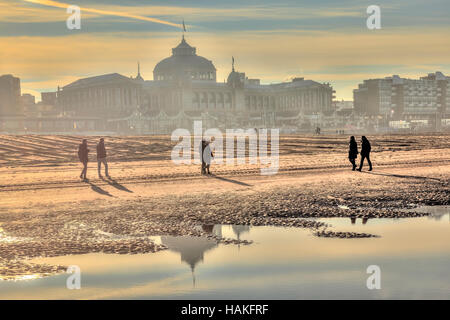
point(45, 210)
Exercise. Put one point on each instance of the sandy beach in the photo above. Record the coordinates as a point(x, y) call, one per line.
point(46, 210)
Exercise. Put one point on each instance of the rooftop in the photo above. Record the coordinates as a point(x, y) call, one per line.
point(103, 79)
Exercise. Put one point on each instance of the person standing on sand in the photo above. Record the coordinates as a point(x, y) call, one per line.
point(207, 156)
point(83, 153)
point(101, 158)
point(365, 153)
point(353, 152)
point(201, 150)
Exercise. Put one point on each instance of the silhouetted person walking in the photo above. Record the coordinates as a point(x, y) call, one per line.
point(83, 153)
point(207, 156)
point(353, 152)
point(201, 150)
point(101, 158)
point(365, 153)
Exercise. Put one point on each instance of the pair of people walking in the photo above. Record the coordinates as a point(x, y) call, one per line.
point(83, 156)
point(365, 152)
point(206, 155)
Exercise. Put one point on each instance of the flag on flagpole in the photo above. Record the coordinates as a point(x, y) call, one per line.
point(184, 26)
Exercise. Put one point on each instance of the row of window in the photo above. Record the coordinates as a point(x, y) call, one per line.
point(101, 96)
point(211, 97)
point(290, 101)
point(192, 75)
point(163, 100)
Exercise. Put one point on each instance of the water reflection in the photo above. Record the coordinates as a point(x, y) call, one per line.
point(353, 220)
point(436, 212)
point(192, 249)
point(289, 263)
point(238, 230)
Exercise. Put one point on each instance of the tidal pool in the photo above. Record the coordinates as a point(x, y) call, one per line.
point(282, 263)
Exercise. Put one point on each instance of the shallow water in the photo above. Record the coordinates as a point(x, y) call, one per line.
point(282, 263)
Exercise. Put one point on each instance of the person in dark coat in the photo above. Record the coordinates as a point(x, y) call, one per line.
point(83, 155)
point(353, 152)
point(101, 158)
point(365, 153)
point(201, 149)
point(207, 156)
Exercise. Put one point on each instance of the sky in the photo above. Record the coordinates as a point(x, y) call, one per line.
point(321, 40)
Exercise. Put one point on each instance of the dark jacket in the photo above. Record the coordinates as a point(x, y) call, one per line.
point(353, 150)
point(201, 149)
point(101, 151)
point(365, 148)
point(83, 152)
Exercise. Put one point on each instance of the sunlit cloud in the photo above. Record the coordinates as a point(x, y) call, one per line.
point(33, 14)
point(250, 12)
point(57, 4)
point(20, 12)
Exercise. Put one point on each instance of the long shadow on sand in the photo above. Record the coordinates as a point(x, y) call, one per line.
point(116, 185)
point(230, 180)
point(402, 176)
point(98, 189)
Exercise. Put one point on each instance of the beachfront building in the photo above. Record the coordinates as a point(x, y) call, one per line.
point(10, 96)
point(11, 106)
point(185, 88)
point(106, 96)
point(425, 100)
point(28, 102)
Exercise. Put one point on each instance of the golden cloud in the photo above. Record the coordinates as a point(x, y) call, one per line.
point(57, 4)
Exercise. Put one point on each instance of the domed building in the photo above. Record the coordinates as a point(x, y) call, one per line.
point(185, 89)
point(236, 79)
point(184, 64)
point(185, 84)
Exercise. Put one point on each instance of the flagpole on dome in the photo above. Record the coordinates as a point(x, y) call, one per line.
point(184, 28)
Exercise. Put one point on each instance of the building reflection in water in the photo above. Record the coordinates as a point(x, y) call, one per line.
point(439, 213)
point(238, 230)
point(364, 220)
point(193, 249)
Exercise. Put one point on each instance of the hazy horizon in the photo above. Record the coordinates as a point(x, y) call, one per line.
point(322, 40)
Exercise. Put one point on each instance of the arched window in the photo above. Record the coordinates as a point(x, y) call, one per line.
point(195, 98)
point(212, 97)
